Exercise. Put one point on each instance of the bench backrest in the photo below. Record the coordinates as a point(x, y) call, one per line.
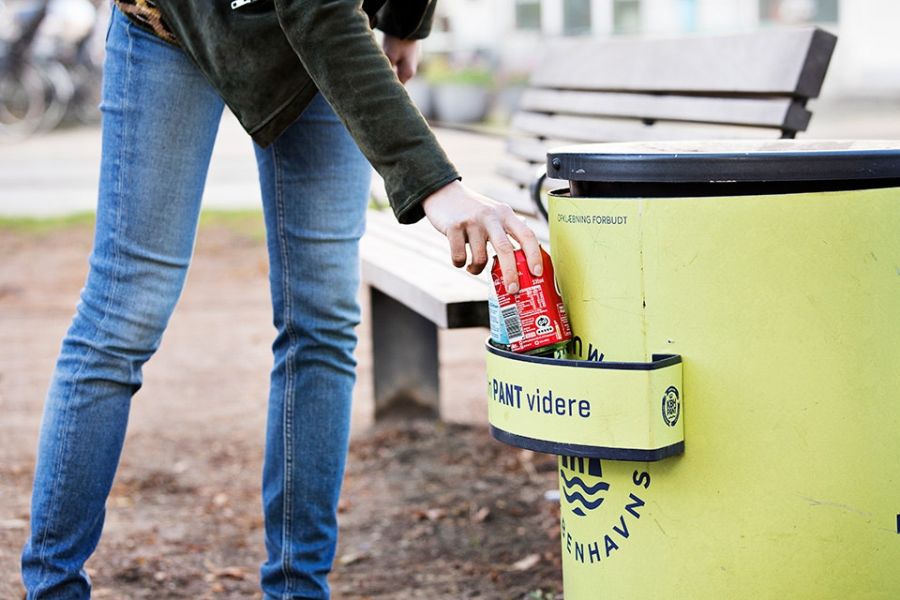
point(752, 85)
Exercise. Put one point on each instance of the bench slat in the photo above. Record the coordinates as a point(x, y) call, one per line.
point(532, 149)
point(420, 237)
point(514, 195)
point(784, 113)
point(411, 263)
point(419, 266)
point(524, 173)
point(771, 62)
point(446, 297)
point(584, 129)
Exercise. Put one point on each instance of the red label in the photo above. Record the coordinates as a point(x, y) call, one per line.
point(535, 317)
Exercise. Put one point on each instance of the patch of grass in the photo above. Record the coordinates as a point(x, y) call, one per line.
point(376, 204)
point(248, 223)
point(244, 222)
point(45, 224)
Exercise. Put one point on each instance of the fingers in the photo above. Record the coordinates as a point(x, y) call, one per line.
point(404, 56)
point(457, 240)
point(528, 242)
point(496, 225)
point(505, 254)
point(465, 217)
point(406, 70)
point(478, 247)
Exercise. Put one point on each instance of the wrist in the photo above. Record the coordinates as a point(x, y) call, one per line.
point(435, 198)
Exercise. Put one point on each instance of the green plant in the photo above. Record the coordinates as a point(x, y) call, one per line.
point(45, 224)
point(440, 72)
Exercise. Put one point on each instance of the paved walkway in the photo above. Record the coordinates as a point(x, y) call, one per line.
point(56, 174)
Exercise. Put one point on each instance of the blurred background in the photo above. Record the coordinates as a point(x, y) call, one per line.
point(51, 56)
point(478, 58)
point(183, 518)
point(474, 67)
point(494, 44)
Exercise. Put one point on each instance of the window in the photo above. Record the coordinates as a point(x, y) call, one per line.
point(687, 15)
point(576, 17)
point(626, 16)
point(798, 11)
point(528, 15)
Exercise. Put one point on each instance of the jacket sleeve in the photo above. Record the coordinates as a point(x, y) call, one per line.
point(339, 51)
point(407, 19)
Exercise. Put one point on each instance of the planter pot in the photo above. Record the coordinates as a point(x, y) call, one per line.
point(420, 92)
point(507, 101)
point(460, 103)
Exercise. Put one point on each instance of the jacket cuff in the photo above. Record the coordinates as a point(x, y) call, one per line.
point(400, 20)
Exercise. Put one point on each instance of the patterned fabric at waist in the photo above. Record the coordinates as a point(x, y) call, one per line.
point(146, 14)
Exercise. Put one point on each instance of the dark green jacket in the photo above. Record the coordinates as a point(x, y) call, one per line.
point(269, 58)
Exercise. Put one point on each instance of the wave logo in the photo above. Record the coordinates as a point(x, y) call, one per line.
point(574, 488)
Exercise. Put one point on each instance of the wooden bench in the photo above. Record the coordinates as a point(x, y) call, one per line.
point(753, 85)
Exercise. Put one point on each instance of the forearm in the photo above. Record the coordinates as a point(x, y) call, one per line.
point(338, 49)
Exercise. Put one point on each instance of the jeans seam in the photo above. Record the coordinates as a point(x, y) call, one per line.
point(287, 405)
point(58, 460)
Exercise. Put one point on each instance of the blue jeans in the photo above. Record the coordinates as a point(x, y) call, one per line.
point(160, 118)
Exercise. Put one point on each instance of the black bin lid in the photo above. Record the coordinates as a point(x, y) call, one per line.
point(739, 161)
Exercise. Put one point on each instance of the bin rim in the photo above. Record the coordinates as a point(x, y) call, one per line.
point(657, 361)
point(737, 161)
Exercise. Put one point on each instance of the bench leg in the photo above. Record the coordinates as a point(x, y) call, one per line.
point(404, 357)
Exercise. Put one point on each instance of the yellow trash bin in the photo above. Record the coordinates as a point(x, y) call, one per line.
point(728, 421)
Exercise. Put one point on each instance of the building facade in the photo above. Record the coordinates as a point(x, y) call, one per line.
point(866, 63)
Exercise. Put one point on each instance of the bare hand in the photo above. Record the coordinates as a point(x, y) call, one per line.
point(404, 56)
point(467, 217)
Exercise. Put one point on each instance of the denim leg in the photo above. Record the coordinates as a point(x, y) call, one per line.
point(160, 119)
point(315, 186)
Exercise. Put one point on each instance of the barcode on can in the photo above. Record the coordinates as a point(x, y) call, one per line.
point(513, 323)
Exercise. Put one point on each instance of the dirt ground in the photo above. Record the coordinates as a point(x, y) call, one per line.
point(429, 510)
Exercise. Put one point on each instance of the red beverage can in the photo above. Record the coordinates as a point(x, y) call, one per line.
point(533, 321)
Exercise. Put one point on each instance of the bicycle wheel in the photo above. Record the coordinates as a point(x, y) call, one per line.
point(22, 103)
point(58, 92)
point(84, 107)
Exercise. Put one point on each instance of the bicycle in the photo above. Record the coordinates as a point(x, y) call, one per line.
point(49, 71)
point(23, 90)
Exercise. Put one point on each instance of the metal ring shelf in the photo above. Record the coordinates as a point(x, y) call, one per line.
point(611, 410)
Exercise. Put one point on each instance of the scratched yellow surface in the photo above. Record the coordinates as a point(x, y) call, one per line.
point(786, 310)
